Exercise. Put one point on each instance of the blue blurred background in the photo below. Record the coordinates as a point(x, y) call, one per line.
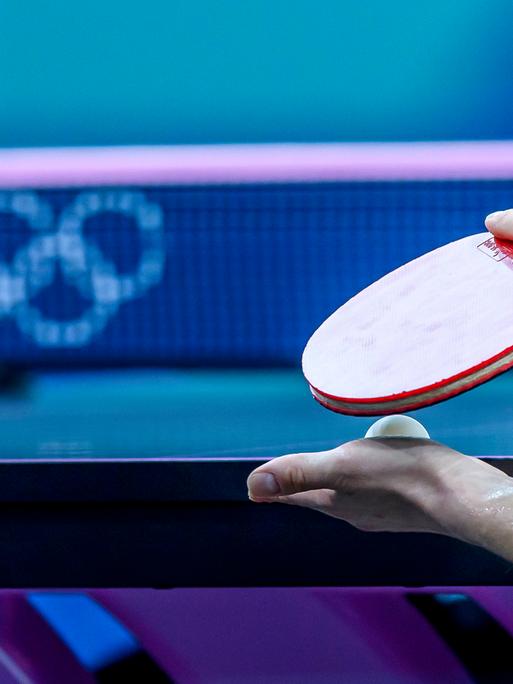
point(245, 274)
point(191, 71)
point(228, 276)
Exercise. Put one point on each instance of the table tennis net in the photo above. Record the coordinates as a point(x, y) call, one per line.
point(208, 275)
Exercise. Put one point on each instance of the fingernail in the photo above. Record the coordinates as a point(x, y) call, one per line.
point(492, 218)
point(262, 485)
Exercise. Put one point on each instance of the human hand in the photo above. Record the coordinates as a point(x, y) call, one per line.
point(396, 484)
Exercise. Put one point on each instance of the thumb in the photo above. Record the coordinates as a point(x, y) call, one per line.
point(295, 473)
point(500, 223)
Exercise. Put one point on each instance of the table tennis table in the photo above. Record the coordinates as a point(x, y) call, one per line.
point(98, 487)
point(126, 489)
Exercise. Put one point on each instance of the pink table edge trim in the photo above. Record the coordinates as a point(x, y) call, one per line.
point(259, 163)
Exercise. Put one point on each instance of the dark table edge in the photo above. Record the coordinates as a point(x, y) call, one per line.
point(145, 480)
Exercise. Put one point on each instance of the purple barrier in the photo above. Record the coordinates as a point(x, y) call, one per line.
point(30, 651)
point(498, 601)
point(285, 635)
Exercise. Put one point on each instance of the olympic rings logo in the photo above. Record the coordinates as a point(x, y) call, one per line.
point(82, 263)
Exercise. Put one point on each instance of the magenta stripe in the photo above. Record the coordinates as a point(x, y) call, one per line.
point(61, 167)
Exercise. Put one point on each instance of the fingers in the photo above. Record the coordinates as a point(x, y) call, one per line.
point(296, 473)
point(500, 223)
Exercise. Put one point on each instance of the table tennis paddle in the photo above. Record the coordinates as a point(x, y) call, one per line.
point(430, 330)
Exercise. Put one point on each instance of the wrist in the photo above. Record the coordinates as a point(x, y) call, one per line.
point(474, 502)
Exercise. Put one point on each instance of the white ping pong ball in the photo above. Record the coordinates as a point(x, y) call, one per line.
point(397, 426)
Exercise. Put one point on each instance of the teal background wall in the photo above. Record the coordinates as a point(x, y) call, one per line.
point(196, 71)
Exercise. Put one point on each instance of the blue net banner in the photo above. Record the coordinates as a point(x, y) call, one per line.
point(216, 274)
